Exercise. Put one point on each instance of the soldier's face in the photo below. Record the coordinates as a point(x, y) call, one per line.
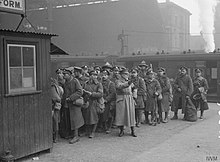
point(198, 74)
point(160, 73)
point(66, 75)
point(76, 73)
point(183, 71)
point(105, 76)
point(134, 74)
point(150, 76)
point(125, 76)
point(142, 67)
point(60, 75)
point(94, 76)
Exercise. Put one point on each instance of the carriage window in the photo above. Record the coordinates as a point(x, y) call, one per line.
point(21, 68)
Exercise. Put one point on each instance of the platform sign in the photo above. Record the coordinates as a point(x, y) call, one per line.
point(12, 6)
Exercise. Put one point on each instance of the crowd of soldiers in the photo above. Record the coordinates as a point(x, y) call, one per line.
point(85, 99)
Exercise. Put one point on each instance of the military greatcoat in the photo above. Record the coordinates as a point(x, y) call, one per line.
point(91, 113)
point(185, 85)
point(73, 91)
point(125, 109)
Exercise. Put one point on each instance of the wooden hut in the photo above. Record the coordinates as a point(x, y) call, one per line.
point(25, 104)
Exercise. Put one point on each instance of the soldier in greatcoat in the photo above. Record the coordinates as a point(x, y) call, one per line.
point(153, 90)
point(73, 91)
point(199, 95)
point(109, 94)
point(97, 68)
point(164, 102)
point(142, 69)
point(56, 96)
point(183, 88)
point(115, 74)
point(59, 77)
point(93, 91)
point(85, 72)
point(107, 66)
point(78, 73)
point(139, 94)
point(125, 108)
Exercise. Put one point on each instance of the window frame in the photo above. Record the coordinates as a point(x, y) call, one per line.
point(22, 89)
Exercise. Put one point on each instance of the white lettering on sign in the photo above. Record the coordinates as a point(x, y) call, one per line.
point(17, 5)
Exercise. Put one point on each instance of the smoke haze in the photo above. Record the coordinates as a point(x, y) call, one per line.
point(207, 15)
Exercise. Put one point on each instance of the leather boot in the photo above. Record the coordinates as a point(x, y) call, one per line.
point(175, 117)
point(146, 113)
point(166, 118)
point(75, 138)
point(133, 132)
point(55, 137)
point(108, 130)
point(92, 135)
point(121, 133)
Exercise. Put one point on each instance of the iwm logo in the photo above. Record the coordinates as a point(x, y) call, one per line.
point(12, 4)
point(211, 158)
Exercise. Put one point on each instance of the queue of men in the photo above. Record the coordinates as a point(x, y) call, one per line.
point(101, 98)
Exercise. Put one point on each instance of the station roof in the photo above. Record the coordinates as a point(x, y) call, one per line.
point(42, 4)
point(26, 32)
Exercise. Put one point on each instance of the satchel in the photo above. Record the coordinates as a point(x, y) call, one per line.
point(78, 102)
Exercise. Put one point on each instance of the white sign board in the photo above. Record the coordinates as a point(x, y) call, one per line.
point(12, 6)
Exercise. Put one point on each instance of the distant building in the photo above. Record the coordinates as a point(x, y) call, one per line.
point(177, 26)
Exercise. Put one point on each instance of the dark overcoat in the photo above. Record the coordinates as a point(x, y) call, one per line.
point(184, 82)
point(140, 85)
point(73, 91)
point(152, 86)
point(109, 94)
point(200, 82)
point(91, 114)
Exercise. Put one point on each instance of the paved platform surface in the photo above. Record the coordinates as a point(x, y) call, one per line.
point(176, 141)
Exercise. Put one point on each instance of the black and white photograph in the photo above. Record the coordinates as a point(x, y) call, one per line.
point(109, 80)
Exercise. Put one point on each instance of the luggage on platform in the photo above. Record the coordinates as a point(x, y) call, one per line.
point(190, 111)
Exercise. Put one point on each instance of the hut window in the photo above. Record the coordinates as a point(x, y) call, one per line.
point(21, 68)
